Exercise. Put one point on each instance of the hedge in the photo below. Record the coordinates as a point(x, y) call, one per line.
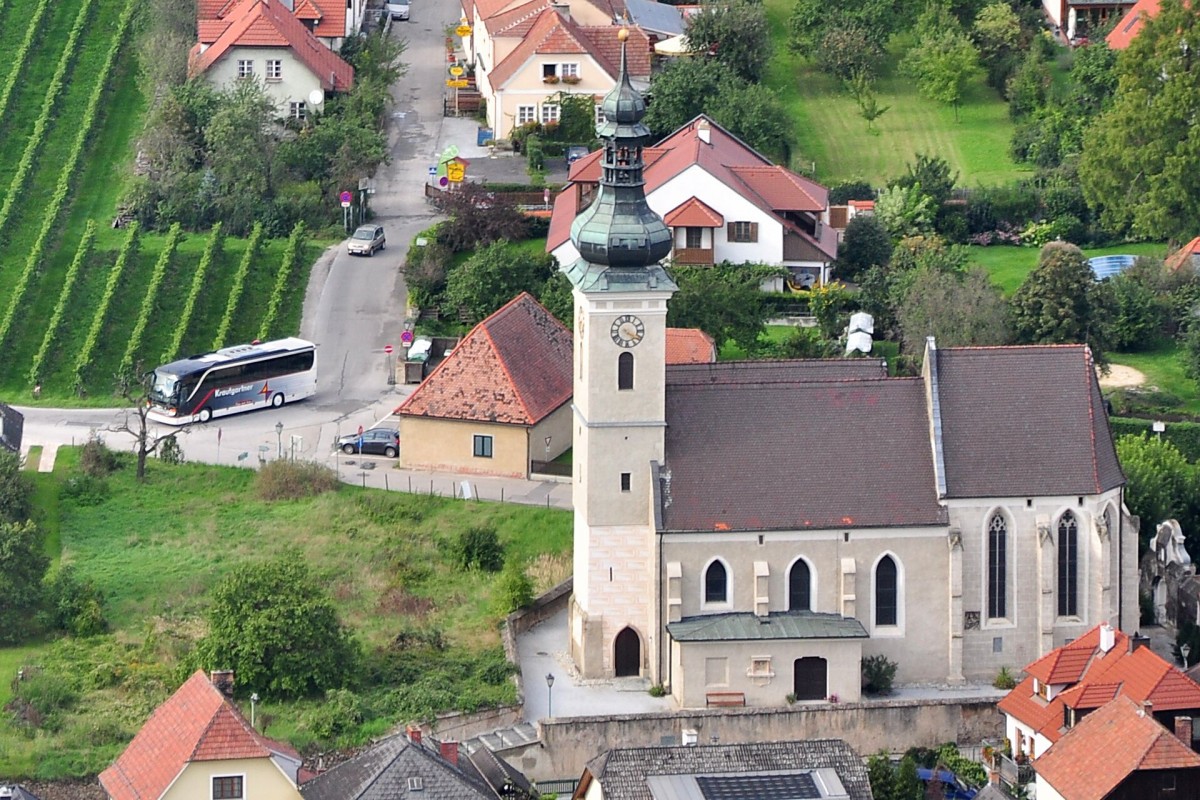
point(212, 250)
point(1184, 435)
point(151, 298)
point(128, 251)
point(239, 282)
point(64, 297)
point(290, 255)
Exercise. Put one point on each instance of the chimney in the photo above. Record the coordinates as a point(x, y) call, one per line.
point(450, 752)
point(704, 131)
point(414, 734)
point(1108, 637)
point(1138, 640)
point(564, 9)
point(1183, 730)
point(223, 680)
point(1147, 708)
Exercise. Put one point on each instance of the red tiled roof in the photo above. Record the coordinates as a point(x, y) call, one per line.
point(1139, 676)
point(693, 213)
point(731, 161)
point(514, 368)
point(1108, 745)
point(516, 21)
point(197, 723)
point(1131, 24)
point(1180, 256)
point(690, 346)
point(862, 205)
point(782, 189)
point(555, 34)
point(330, 14)
point(267, 23)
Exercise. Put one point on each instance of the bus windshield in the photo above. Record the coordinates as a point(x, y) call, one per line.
point(164, 387)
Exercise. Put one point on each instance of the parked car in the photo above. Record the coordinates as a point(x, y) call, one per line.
point(366, 240)
point(375, 442)
point(398, 10)
point(574, 153)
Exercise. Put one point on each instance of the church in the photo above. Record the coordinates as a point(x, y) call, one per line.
point(757, 529)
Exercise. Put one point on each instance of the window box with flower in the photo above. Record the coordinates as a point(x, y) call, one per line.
point(550, 79)
point(571, 79)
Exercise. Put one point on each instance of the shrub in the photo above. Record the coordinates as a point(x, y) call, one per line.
point(878, 671)
point(16, 491)
point(73, 604)
point(478, 547)
point(658, 690)
point(514, 589)
point(340, 713)
point(96, 459)
point(844, 192)
point(85, 490)
point(295, 480)
point(1004, 680)
point(169, 451)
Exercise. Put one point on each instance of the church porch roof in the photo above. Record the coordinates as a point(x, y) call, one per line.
point(745, 626)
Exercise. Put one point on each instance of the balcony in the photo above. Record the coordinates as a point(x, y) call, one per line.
point(693, 256)
point(1012, 773)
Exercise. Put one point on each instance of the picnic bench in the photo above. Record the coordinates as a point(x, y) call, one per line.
point(725, 699)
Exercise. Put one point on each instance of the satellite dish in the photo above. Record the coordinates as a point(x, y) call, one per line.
point(316, 97)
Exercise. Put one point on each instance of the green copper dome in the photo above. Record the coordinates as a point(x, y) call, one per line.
point(619, 229)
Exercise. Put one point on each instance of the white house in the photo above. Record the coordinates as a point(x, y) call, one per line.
point(263, 40)
point(722, 200)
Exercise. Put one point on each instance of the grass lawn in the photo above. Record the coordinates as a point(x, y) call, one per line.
point(829, 132)
point(1009, 265)
point(156, 550)
point(1164, 370)
point(732, 351)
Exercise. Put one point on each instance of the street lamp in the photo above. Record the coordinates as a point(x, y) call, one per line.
point(253, 704)
point(279, 438)
point(1185, 650)
point(549, 694)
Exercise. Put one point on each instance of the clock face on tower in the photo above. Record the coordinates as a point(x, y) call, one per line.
point(627, 331)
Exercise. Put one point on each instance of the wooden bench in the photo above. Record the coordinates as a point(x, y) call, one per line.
point(725, 699)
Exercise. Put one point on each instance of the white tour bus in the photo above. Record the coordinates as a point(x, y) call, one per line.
point(234, 379)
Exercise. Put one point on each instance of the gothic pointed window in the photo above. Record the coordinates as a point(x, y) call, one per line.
point(716, 583)
point(800, 586)
point(997, 567)
point(1068, 566)
point(887, 592)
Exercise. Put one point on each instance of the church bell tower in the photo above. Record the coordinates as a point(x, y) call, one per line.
point(621, 293)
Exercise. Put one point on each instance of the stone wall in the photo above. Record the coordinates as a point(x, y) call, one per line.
point(568, 744)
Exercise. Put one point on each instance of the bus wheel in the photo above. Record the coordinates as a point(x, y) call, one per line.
point(205, 414)
point(277, 400)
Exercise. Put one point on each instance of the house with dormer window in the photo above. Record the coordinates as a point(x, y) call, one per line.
point(197, 744)
point(722, 201)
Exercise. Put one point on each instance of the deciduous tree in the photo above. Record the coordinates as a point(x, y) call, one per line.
point(1058, 302)
point(734, 35)
point(479, 217)
point(905, 210)
point(866, 244)
point(943, 59)
point(724, 301)
point(493, 276)
point(16, 492)
point(1160, 483)
point(22, 565)
point(1141, 157)
point(277, 629)
point(956, 308)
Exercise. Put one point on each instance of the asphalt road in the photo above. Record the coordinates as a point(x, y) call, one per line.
point(356, 305)
point(353, 305)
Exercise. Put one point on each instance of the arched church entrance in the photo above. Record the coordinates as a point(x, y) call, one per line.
point(810, 678)
point(627, 653)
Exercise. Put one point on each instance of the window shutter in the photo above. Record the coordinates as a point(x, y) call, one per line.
point(754, 231)
point(729, 232)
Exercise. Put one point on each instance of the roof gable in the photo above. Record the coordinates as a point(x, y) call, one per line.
point(267, 23)
point(1085, 764)
point(383, 771)
point(196, 723)
point(1024, 421)
point(690, 346)
point(514, 367)
point(1130, 25)
point(1184, 255)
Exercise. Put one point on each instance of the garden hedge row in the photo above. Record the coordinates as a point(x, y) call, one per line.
point(1184, 435)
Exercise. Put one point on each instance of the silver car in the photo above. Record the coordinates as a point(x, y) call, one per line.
point(398, 9)
point(366, 240)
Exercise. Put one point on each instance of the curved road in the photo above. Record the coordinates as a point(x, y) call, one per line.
point(353, 305)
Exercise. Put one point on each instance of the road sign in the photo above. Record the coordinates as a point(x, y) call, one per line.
point(458, 83)
point(463, 30)
point(406, 337)
point(346, 199)
point(433, 172)
point(387, 348)
point(443, 181)
point(456, 171)
point(456, 70)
